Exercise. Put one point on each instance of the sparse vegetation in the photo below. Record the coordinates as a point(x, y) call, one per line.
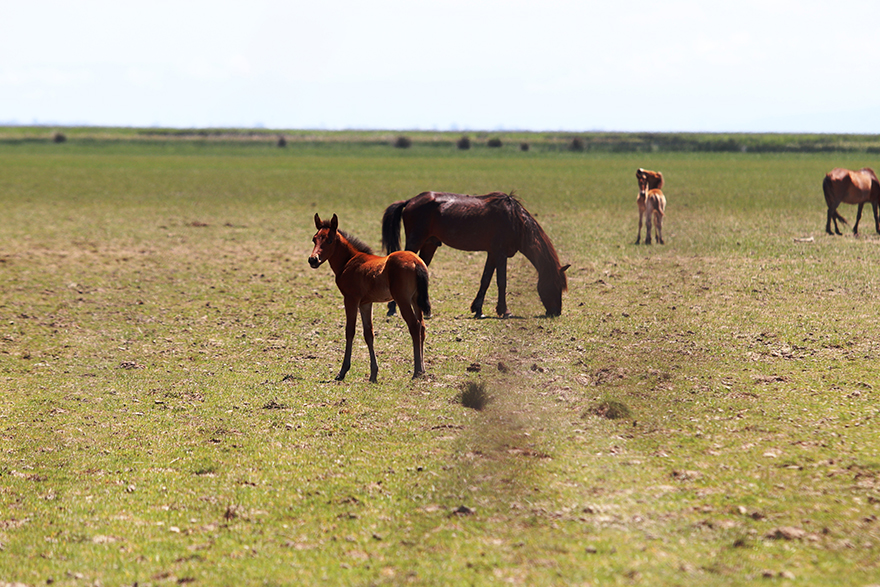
point(168, 413)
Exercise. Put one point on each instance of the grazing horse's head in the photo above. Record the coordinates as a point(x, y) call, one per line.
point(325, 240)
point(551, 284)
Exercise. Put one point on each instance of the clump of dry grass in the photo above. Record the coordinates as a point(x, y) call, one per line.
point(611, 409)
point(474, 396)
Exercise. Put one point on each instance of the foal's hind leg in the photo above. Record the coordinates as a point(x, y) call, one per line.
point(412, 315)
point(485, 280)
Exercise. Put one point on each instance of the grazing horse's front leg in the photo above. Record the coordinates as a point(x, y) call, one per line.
point(367, 320)
point(501, 280)
point(350, 323)
point(485, 280)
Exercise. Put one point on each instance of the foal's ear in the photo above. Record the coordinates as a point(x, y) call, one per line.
point(563, 269)
point(317, 221)
point(334, 223)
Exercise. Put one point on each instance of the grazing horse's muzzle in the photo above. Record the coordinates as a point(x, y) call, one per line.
point(314, 262)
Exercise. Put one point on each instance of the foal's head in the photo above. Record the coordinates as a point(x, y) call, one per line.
point(325, 240)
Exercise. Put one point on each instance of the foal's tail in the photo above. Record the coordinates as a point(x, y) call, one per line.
point(422, 290)
point(391, 228)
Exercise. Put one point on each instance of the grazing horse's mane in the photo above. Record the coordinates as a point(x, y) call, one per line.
point(534, 242)
point(357, 243)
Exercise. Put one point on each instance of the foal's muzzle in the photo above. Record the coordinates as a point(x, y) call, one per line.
point(314, 262)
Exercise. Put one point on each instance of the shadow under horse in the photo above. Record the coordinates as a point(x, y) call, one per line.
point(497, 223)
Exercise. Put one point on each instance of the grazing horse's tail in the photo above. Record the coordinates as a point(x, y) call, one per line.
point(422, 290)
point(391, 228)
point(829, 200)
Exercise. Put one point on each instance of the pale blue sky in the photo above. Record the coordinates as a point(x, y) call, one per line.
point(628, 65)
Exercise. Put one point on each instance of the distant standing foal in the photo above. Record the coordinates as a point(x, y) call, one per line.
point(651, 202)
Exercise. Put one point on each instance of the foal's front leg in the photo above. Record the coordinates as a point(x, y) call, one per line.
point(350, 323)
point(367, 320)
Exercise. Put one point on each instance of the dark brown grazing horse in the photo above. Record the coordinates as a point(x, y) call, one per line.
point(364, 278)
point(850, 187)
point(496, 223)
point(650, 182)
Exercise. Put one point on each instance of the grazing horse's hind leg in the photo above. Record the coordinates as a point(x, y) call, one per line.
point(485, 280)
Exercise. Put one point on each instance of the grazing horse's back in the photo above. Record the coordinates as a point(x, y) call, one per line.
point(496, 223)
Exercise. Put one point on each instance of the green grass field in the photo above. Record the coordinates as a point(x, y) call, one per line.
point(167, 413)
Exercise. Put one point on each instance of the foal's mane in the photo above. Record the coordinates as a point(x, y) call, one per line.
point(357, 243)
point(354, 241)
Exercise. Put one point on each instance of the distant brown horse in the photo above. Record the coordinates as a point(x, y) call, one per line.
point(850, 187)
point(496, 223)
point(651, 202)
point(364, 278)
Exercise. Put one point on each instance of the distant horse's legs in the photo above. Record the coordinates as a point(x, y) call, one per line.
point(660, 229)
point(501, 280)
point(858, 217)
point(485, 280)
point(639, 235)
point(832, 215)
point(367, 320)
point(350, 323)
point(875, 206)
point(649, 214)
